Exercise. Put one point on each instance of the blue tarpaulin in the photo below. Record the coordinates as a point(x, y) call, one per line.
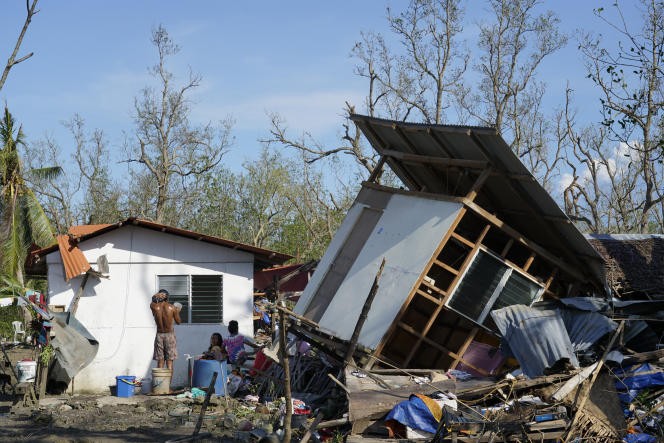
point(415, 414)
point(636, 378)
point(639, 438)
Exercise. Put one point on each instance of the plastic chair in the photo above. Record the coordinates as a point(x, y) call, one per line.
point(18, 329)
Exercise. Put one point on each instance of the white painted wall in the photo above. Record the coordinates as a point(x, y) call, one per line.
point(407, 234)
point(117, 313)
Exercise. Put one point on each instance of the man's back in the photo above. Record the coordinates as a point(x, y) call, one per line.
point(164, 313)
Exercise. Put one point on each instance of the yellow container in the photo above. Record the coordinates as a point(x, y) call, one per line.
point(161, 380)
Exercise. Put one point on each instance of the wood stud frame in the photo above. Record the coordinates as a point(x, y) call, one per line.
point(439, 296)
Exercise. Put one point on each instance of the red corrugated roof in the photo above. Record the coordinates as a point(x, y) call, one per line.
point(73, 259)
point(81, 230)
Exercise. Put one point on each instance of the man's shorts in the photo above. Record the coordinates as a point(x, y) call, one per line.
point(165, 346)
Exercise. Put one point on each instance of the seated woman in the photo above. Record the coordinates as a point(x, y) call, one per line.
point(216, 351)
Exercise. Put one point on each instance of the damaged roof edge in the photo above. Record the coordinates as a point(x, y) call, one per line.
point(262, 255)
point(527, 206)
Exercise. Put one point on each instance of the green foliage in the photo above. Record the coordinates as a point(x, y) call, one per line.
point(46, 355)
point(23, 221)
point(8, 314)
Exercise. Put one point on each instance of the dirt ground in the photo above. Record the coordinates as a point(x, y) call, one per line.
point(140, 418)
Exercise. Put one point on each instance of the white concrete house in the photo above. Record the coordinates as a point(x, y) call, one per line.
point(210, 276)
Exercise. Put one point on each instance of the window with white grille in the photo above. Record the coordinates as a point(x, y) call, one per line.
point(489, 284)
point(200, 295)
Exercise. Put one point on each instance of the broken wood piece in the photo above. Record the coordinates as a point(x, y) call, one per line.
point(586, 392)
point(312, 428)
point(363, 315)
point(341, 385)
point(573, 382)
point(205, 404)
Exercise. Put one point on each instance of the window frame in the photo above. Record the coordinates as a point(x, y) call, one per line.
point(190, 295)
point(509, 271)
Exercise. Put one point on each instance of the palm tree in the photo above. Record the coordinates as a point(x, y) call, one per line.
point(22, 219)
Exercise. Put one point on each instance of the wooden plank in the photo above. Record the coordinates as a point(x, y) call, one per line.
point(455, 281)
point(464, 347)
point(529, 262)
point(415, 193)
point(507, 247)
point(377, 170)
point(463, 240)
point(519, 238)
point(390, 331)
point(441, 348)
point(433, 288)
point(446, 267)
point(436, 161)
point(374, 405)
point(475, 189)
point(428, 297)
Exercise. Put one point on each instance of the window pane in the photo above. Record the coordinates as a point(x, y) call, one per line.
point(206, 295)
point(178, 290)
point(518, 290)
point(477, 286)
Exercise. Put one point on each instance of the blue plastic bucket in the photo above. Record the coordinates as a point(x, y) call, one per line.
point(125, 385)
point(202, 376)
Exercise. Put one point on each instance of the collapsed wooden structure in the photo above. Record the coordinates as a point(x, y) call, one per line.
point(472, 232)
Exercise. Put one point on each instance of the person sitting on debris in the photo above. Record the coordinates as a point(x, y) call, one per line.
point(165, 344)
point(234, 345)
point(216, 350)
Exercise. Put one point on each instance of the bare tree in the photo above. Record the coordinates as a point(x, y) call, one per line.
point(13, 61)
point(173, 153)
point(85, 193)
point(415, 81)
point(631, 83)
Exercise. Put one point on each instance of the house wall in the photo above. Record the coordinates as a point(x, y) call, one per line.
point(116, 310)
point(407, 234)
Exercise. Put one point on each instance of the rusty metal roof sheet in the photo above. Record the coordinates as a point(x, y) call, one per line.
point(511, 190)
point(263, 257)
point(73, 260)
point(81, 230)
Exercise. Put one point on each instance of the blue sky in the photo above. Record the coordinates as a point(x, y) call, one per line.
point(291, 57)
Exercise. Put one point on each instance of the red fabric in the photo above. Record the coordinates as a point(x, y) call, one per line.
point(261, 363)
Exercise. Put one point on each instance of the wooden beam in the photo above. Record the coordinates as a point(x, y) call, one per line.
point(441, 348)
point(475, 189)
point(403, 174)
point(440, 307)
point(519, 238)
point(415, 193)
point(464, 347)
point(545, 217)
point(377, 170)
point(435, 161)
point(390, 331)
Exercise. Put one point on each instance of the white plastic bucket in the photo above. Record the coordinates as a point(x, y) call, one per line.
point(27, 371)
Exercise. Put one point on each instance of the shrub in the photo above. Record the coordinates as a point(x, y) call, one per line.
point(8, 314)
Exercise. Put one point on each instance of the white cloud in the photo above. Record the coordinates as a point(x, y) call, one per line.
point(313, 111)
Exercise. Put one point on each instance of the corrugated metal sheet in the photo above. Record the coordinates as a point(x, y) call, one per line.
point(82, 230)
point(539, 336)
point(73, 260)
point(536, 337)
point(511, 190)
point(623, 237)
point(585, 328)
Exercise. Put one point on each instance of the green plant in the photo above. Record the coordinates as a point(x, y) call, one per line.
point(46, 355)
point(8, 314)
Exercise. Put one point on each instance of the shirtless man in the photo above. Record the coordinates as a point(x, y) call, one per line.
point(165, 345)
